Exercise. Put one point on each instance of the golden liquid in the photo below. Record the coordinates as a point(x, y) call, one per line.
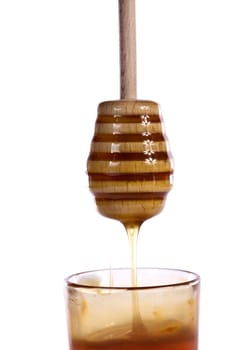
point(132, 230)
point(137, 345)
point(132, 233)
point(175, 341)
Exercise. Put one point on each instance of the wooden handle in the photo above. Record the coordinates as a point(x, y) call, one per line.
point(128, 72)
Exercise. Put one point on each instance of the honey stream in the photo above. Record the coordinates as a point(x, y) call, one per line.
point(132, 230)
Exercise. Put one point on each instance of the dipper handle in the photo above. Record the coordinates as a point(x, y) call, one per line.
point(127, 34)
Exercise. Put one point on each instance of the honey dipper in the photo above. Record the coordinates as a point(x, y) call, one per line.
point(129, 166)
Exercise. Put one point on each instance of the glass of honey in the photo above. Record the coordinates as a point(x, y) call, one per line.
point(150, 308)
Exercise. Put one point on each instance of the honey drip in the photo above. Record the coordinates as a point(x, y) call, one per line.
point(133, 231)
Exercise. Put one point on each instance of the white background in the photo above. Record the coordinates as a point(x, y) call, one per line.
point(58, 60)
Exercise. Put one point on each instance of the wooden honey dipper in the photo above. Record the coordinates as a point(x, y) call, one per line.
point(130, 166)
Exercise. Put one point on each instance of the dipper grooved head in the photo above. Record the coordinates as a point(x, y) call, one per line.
point(130, 166)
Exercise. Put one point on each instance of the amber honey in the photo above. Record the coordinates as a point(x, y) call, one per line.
point(182, 340)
